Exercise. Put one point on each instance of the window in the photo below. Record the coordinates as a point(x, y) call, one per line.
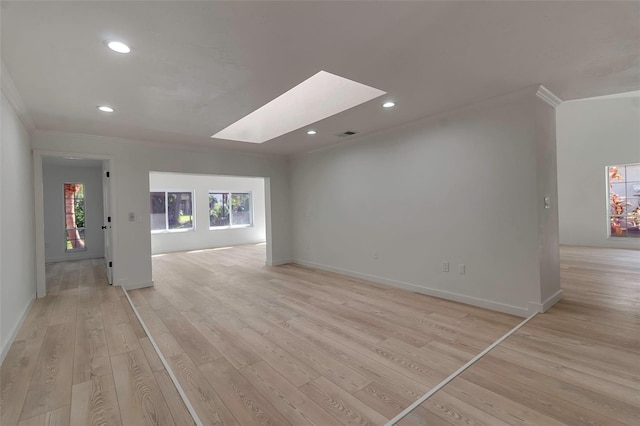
point(624, 200)
point(158, 211)
point(171, 211)
point(229, 209)
point(218, 209)
point(241, 208)
point(74, 216)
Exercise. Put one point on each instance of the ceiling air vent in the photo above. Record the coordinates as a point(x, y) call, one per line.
point(346, 134)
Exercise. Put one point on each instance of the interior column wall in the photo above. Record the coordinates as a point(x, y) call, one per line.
point(460, 188)
point(547, 205)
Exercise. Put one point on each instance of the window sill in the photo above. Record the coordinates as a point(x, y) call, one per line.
point(220, 228)
point(172, 231)
point(78, 250)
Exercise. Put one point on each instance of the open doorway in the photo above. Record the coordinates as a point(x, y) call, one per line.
point(196, 214)
point(73, 209)
point(73, 213)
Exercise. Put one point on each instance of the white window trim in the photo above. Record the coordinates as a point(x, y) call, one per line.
point(235, 191)
point(607, 184)
point(166, 229)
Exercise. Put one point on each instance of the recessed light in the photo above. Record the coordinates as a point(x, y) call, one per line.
point(312, 132)
point(388, 104)
point(118, 46)
point(105, 108)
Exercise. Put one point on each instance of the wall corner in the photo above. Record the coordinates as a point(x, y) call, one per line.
point(547, 96)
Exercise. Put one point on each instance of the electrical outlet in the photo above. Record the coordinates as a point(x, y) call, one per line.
point(376, 255)
point(445, 266)
point(461, 268)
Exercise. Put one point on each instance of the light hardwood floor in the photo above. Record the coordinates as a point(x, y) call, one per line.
point(82, 358)
point(578, 364)
point(290, 345)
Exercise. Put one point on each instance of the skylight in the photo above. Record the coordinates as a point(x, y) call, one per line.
point(318, 97)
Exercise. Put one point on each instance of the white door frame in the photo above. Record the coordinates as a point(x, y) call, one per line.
point(107, 215)
point(267, 220)
point(38, 184)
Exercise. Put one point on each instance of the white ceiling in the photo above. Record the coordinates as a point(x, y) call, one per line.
point(197, 67)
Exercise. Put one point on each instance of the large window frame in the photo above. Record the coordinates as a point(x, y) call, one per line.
point(74, 236)
point(231, 213)
point(623, 201)
point(167, 228)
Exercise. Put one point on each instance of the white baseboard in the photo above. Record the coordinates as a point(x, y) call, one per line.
point(278, 262)
point(72, 257)
point(456, 297)
point(16, 328)
point(133, 286)
point(544, 306)
point(205, 246)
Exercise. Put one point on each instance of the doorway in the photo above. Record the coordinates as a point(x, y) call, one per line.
point(195, 213)
point(73, 200)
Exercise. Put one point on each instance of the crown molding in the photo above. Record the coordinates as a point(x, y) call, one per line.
point(621, 95)
point(42, 134)
point(548, 96)
point(10, 90)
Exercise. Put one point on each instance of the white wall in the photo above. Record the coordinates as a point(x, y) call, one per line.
point(17, 238)
point(593, 134)
point(55, 176)
point(201, 236)
point(461, 188)
point(548, 227)
point(131, 163)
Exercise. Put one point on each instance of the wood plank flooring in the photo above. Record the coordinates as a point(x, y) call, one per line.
point(252, 344)
point(577, 364)
point(82, 358)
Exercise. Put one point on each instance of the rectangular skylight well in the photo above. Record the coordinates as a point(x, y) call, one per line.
point(318, 97)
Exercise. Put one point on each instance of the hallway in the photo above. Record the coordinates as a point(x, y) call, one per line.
point(81, 357)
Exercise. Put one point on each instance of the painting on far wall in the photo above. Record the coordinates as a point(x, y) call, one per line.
point(624, 200)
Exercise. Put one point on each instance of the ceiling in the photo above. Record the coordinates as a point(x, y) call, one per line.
point(197, 67)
